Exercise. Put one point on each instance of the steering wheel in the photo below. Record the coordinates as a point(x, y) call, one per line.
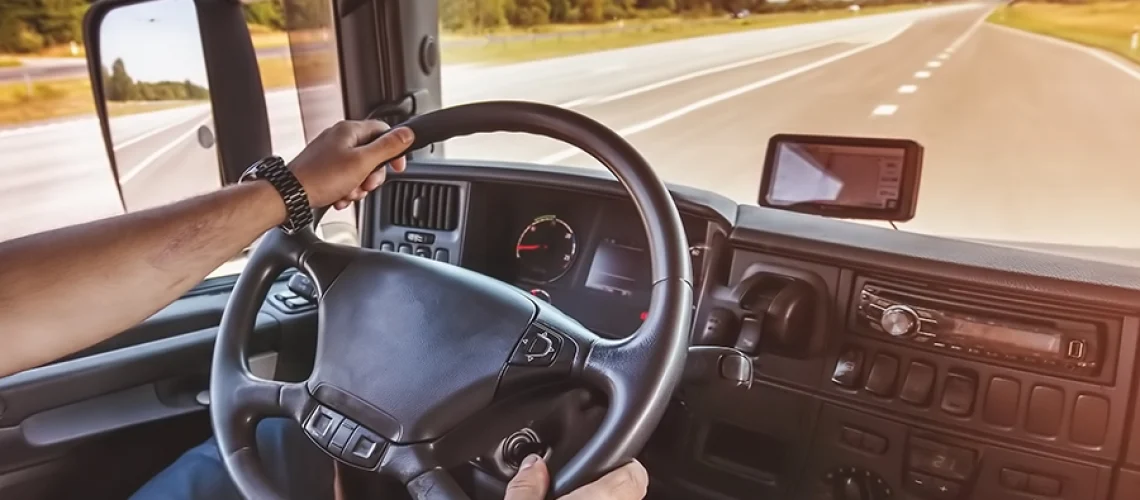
point(413, 353)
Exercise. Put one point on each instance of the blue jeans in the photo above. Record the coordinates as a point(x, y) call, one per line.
point(293, 463)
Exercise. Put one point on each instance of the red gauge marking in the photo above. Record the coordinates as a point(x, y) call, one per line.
point(523, 248)
point(644, 315)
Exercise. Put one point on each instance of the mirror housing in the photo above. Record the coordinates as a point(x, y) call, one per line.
point(237, 98)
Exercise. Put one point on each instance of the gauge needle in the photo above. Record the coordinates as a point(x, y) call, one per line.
point(523, 248)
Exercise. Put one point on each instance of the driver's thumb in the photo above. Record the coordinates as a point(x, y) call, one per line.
point(531, 481)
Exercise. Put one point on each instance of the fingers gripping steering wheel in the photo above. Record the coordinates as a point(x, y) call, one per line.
point(409, 349)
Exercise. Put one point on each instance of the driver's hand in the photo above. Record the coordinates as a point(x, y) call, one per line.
point(625, 483)
point(339, 166)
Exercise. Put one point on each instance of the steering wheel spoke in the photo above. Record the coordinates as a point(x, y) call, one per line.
point(416, 466)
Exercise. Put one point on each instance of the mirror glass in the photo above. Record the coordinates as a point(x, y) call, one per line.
point(154, 77)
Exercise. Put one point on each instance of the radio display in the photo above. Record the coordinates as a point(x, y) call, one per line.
point(1043, 342)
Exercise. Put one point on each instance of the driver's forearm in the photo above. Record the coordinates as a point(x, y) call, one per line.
point(63, 290)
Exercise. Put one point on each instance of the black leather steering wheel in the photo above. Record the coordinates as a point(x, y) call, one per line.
point(411, 351)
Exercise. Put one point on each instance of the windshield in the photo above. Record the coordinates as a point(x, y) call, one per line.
point(1027, 111)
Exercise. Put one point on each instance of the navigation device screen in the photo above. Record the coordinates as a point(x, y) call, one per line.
point(841, 175)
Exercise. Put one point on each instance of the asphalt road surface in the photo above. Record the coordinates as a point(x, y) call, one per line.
point(1027, 140)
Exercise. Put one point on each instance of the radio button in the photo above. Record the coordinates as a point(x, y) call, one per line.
point(918, 384)
point(848, 368)
point(899, 321)
point(1045, 406)
point(1076, 349)
point(1090, 420)
point(1001, 402)
point(958, 394)
point(881, 379)
point(950, 462)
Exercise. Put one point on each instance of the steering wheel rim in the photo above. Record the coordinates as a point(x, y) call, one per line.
point(638, 374)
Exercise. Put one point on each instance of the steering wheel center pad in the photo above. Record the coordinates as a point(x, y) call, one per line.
point(410, 346)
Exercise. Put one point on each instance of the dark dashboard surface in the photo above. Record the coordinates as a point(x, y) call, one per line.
point(840, 408)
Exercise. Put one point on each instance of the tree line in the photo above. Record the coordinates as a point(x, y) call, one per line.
point(480, 15)
point(30, 25)
point(119, 86)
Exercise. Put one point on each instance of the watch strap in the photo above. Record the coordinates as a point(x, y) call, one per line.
point(273, 169)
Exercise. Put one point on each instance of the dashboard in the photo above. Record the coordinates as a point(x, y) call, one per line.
point(887, 364)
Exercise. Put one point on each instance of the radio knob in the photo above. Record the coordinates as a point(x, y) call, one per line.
point(899, 321)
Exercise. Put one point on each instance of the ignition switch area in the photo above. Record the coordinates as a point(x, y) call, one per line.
point(521, 444)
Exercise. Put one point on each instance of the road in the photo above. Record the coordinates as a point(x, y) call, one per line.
point(1007, 120)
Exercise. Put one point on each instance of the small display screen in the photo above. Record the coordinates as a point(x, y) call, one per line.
point(838, 175)
point(618, 268)
point(1043, 342)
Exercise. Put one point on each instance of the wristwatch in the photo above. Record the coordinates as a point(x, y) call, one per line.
point(273, 169)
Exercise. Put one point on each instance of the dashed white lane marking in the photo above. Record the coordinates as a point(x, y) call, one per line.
point(908, 89)
point(944, 56)
point(578, 102)
point(933, 64)
point(970, 31)
point(149, 160)
point(922, 74)
point(724, 96)
point(1097, 53)
point(705, 72)
point(884, 110)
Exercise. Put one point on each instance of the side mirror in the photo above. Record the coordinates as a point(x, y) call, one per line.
point(155, 102)
point(178, 94)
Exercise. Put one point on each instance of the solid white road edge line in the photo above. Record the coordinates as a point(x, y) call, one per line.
point(158, 130)
point(1097, 53)
point(724, 96)
point(149, 160)
point(957, 43)
point(578, 102)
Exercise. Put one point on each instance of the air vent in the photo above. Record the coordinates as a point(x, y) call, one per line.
point(422, 205)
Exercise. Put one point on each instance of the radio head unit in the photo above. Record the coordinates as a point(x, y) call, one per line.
point(1052, 345)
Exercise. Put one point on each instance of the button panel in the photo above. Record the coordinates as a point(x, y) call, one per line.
point(343, 438)
point(932, 487)
point(992, 400)
point(538, 347)
point(422, 247)
point(863, 440)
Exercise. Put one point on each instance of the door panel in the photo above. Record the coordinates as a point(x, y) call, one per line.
point(135, 400)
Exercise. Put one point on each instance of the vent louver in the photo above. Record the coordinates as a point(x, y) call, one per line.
point(422, 205)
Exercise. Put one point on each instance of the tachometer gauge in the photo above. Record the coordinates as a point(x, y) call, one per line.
point(546, 249)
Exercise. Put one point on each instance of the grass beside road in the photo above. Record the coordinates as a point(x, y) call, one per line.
point(650, 32)
point(1106, 25)
point(9, 62)
point(72, 97)
point(54, 99)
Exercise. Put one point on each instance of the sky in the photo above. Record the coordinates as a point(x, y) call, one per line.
point(157, 40)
